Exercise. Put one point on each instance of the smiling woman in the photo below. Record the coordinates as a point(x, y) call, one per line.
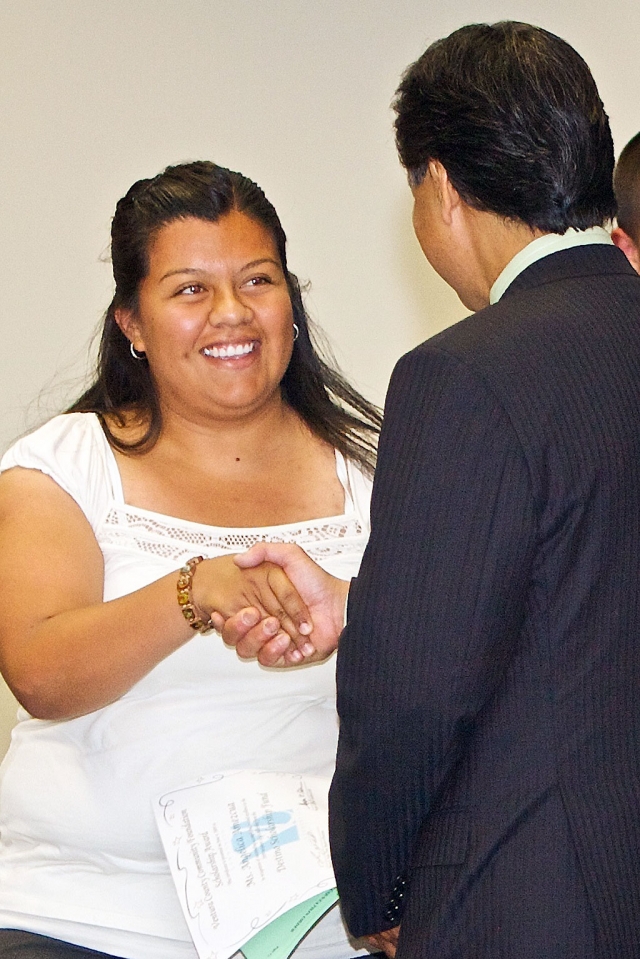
point(214, 317)
point(212, 423)
point(202, 191)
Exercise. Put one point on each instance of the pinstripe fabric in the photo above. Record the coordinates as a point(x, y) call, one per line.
point(489, 675)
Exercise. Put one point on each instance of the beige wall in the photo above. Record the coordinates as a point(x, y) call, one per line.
point(294, 93)
point(8, 707)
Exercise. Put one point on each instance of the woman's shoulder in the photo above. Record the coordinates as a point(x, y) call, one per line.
point(60, 436)
point(70, 448)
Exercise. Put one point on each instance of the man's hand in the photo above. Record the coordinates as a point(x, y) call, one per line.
point(386, 942)
point(325, 597)
point(226, 588)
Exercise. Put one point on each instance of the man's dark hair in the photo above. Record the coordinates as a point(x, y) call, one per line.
point(514, 116)
point(626, 183)
point(312, 384)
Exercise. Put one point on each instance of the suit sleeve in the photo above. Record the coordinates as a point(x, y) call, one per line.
point(432, 620)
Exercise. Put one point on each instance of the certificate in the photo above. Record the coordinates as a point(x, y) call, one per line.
point(249, 855)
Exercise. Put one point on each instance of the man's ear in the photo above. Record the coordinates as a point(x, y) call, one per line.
point(126, 320)
point(628, 246)
point(448, 196)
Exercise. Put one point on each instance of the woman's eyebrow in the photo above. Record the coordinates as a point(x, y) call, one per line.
point(196, 270)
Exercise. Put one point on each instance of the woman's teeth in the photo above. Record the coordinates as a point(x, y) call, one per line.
point(224, 352)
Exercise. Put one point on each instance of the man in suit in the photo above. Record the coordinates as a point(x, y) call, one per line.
point(626, 184)
point(486, 799)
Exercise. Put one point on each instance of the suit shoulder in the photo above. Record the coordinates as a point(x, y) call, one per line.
point(487, 332)
point(465, 346)
point(548, 326)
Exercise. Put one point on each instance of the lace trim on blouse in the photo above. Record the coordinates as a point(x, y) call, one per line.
point(128, 528)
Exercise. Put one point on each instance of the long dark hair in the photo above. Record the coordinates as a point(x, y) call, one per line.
point(514, 116)
point(312, 384)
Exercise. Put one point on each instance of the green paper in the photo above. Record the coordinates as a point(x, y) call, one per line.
point(279, 939)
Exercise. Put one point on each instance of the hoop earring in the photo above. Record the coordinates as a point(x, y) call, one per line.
point(296, 332)
point(135, 354)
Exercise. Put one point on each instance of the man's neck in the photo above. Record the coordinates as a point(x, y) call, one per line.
point(493, 243)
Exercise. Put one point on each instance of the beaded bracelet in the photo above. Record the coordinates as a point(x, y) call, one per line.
point(185, 599)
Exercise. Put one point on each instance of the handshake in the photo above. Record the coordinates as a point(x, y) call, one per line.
point(291, 611)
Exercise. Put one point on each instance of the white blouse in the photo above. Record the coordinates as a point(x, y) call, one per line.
point(80, 856)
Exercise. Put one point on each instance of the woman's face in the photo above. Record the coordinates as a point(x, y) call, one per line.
point(214, 317)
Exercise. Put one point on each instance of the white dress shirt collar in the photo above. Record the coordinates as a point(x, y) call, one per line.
point(543, 246)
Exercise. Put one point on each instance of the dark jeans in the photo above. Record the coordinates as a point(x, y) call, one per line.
point(15, 944)
point(28, 945)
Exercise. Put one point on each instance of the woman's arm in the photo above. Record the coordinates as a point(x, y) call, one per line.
point(63, 651)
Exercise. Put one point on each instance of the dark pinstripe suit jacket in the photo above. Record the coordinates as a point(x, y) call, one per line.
point(489, 675)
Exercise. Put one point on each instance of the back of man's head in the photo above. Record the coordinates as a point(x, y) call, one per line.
point(514, 116)
point(626, 183)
